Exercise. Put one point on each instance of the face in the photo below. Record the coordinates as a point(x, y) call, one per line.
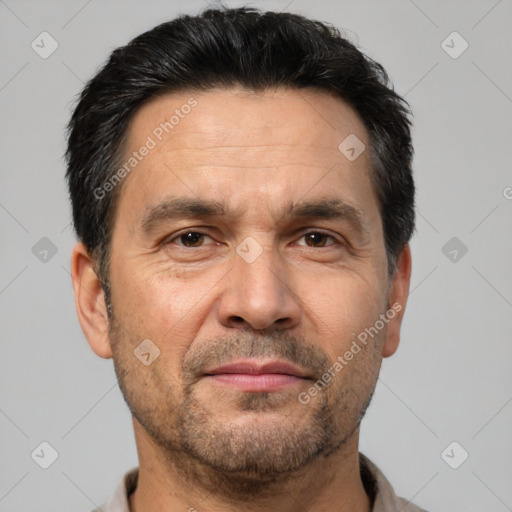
point(249, 250)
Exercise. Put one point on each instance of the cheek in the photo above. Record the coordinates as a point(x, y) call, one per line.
point(158, 305)
point(152, 298)
point(343, 307)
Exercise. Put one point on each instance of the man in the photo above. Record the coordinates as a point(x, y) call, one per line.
point(242, 190)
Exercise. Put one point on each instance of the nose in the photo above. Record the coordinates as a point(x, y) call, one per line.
point(259, 295)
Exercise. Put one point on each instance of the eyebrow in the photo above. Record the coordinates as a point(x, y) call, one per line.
point(179, 208)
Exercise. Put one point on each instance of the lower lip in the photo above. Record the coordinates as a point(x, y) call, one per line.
point(257, 383)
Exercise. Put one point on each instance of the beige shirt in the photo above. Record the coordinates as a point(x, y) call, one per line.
point(375, 483)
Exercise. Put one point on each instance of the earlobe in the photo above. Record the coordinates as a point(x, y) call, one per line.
point(398, 294)
point(90, 302)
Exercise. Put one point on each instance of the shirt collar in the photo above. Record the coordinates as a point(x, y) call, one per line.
point(376, 485)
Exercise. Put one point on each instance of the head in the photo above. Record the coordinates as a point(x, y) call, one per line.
point(242, 190)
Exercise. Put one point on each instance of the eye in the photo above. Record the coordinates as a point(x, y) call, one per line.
point(190, 239)
point(317, 239)
point(196, 239)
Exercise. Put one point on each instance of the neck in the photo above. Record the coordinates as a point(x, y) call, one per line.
point(171, 483)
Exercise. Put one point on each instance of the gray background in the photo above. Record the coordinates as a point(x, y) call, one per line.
point(449, 381)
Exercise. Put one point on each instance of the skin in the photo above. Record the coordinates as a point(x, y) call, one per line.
point(304, 299)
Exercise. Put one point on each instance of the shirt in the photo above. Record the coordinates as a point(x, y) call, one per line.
point(375, 483)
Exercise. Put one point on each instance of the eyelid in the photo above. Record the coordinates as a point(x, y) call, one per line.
point(337, 240)
point(179, 234)
point(302, 233)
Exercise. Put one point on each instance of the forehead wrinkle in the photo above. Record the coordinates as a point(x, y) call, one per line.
point(244, 146)
point(253, 157)
point(247, 166)
point(310, 151)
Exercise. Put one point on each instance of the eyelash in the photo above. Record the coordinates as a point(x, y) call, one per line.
point(313, 231)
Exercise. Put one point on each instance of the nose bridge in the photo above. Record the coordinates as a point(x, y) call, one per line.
point(258, 293)
point(257, 268)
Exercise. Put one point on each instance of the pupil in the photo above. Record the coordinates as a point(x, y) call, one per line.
point(316, 237)
point(191, 238)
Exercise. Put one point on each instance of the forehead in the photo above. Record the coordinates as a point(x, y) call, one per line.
point(238, 116)
point(277, 143)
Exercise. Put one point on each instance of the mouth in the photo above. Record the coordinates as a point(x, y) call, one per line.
point(253, 375)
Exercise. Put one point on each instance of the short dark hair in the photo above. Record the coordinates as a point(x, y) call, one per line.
point(223, 48)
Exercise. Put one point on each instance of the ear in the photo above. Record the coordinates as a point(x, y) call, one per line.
point(90, 302)
point(399, 291)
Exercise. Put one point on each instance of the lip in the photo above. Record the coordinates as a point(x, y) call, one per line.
point(253, 375)
point(258, 367)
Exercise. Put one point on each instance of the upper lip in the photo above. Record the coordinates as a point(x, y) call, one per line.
point(258, 367)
